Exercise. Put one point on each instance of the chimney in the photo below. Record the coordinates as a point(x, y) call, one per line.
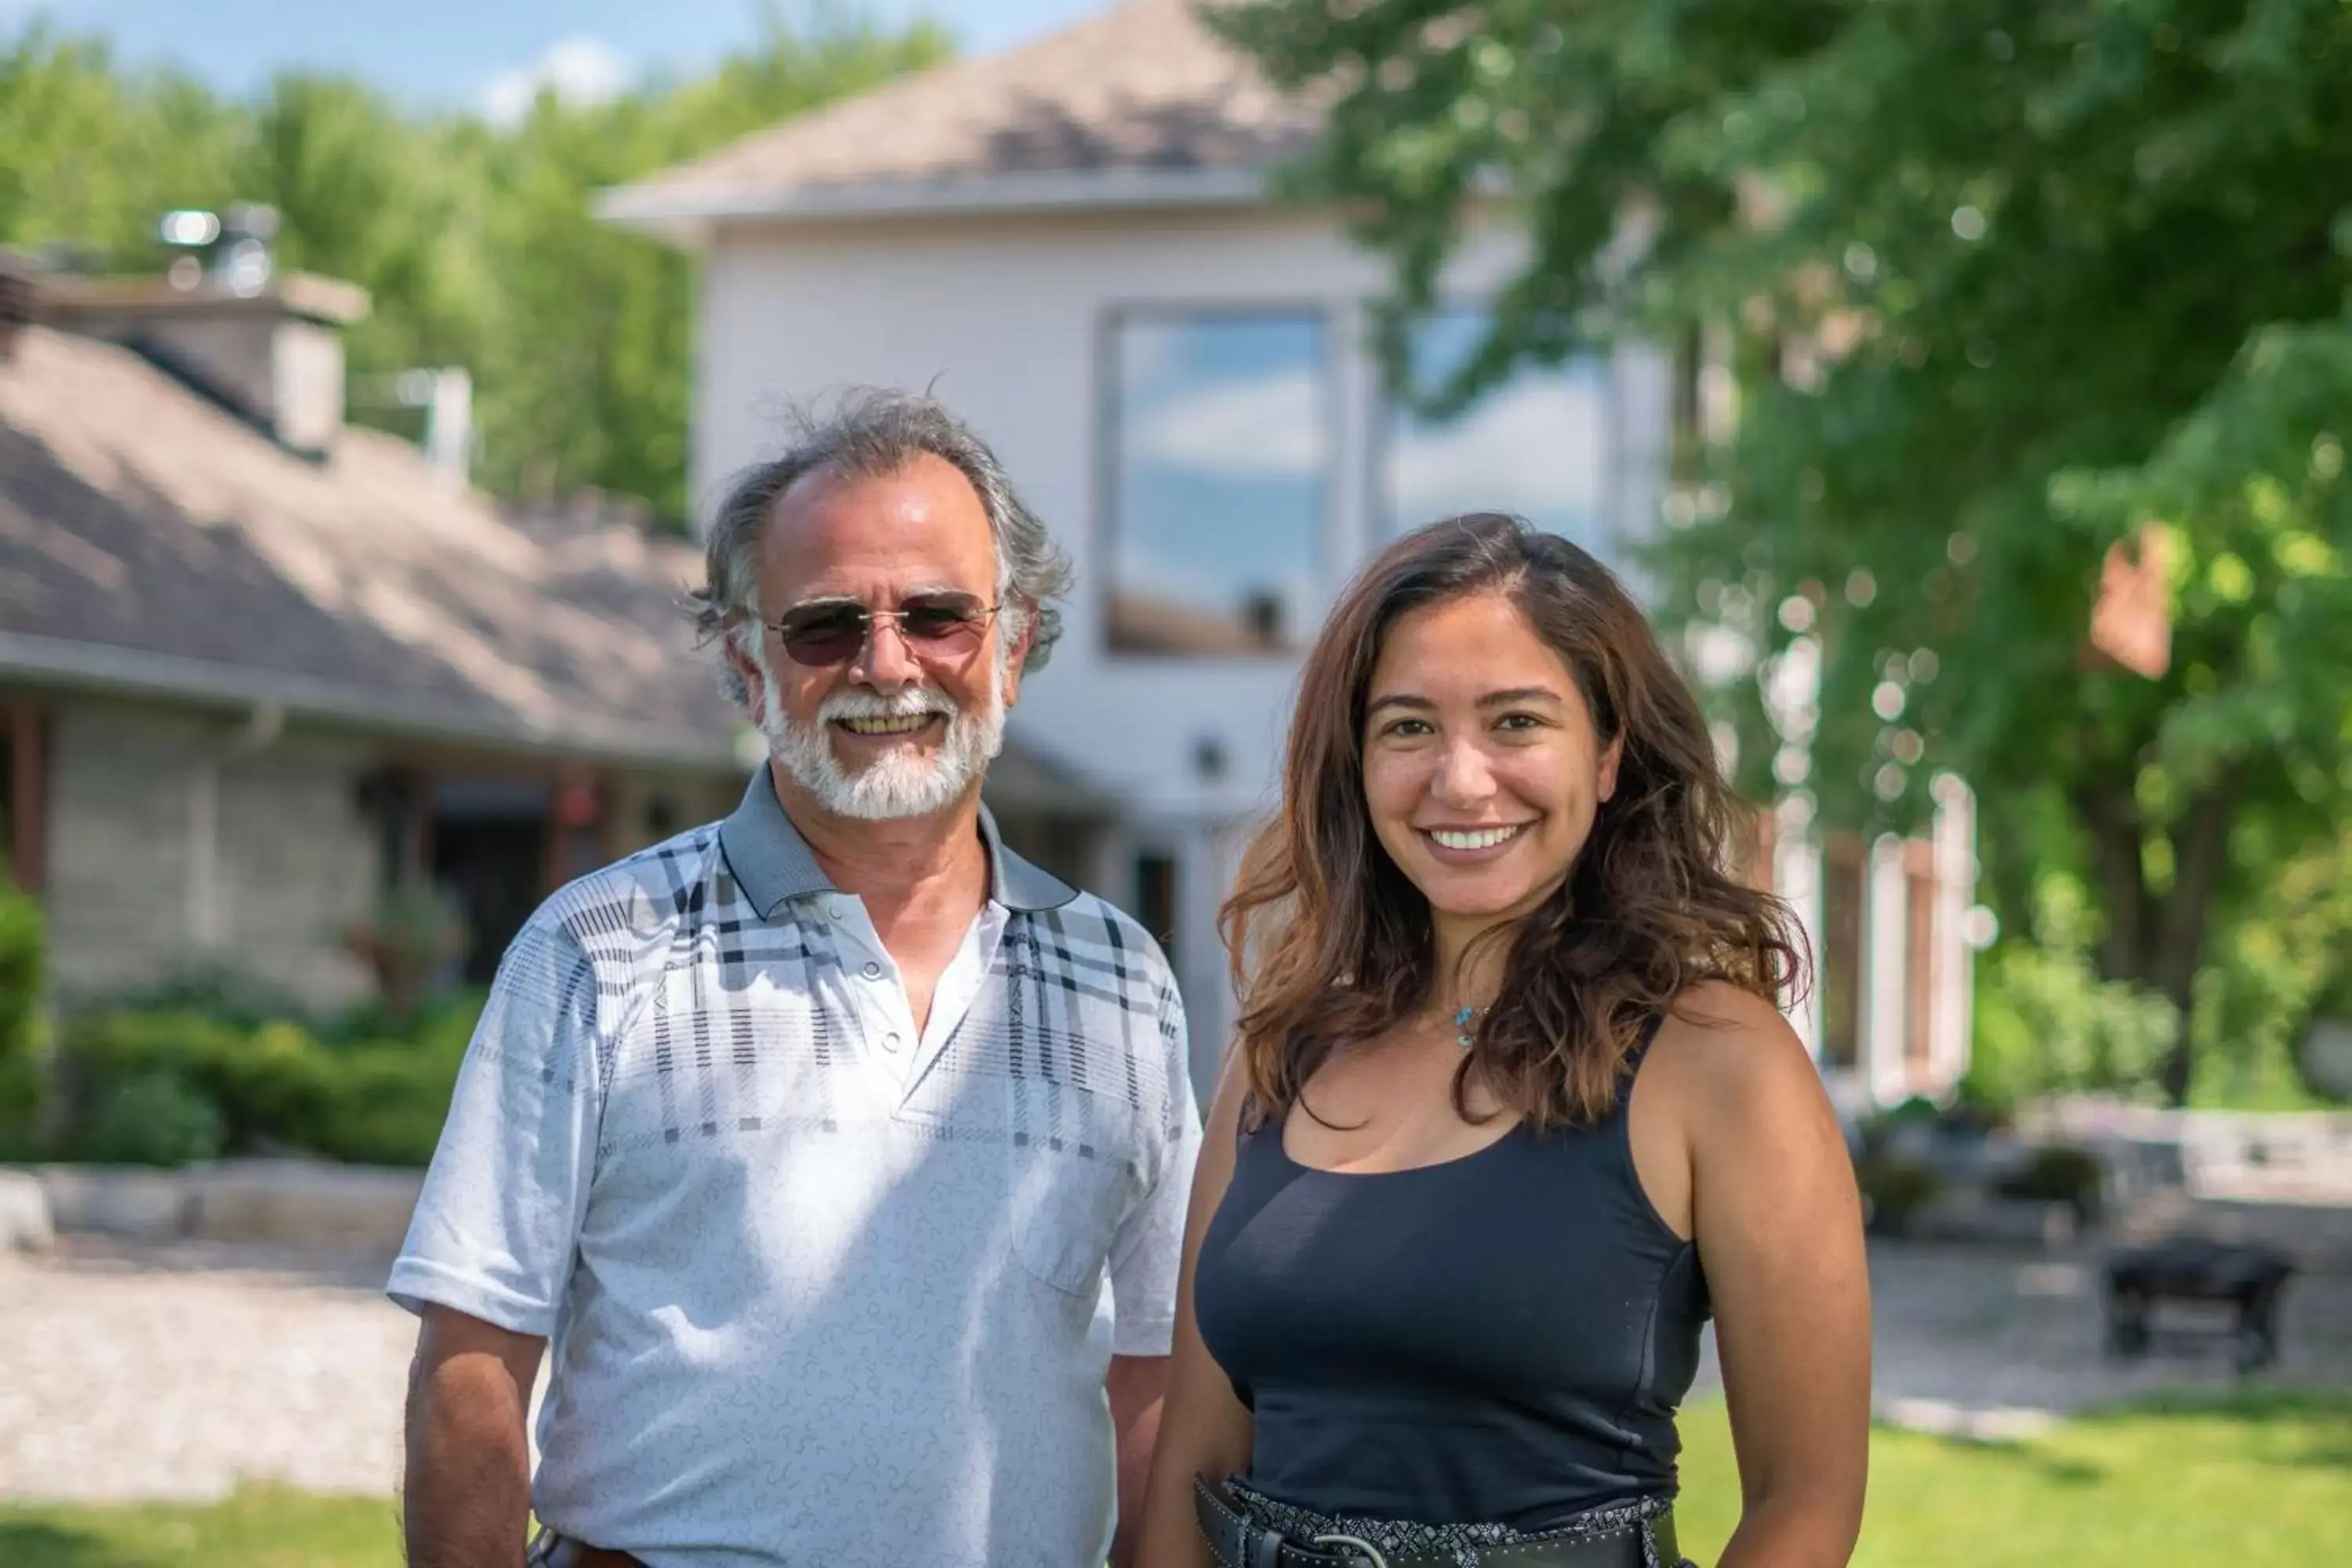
point(266, 344)
point(19, 299)
point(446, 396)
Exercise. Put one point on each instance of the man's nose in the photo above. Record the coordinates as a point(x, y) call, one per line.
point(886, 662)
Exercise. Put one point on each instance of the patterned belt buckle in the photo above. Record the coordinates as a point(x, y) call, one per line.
point(1362, 1548)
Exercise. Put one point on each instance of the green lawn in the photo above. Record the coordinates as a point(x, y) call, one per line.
point(261, 1527)
point(2259, 1480)
point(2254, 1481)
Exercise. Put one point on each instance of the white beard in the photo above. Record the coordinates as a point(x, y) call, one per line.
point(894, 785)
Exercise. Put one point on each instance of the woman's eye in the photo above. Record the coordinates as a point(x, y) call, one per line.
point(1518, 722)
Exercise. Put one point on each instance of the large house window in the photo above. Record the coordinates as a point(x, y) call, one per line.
point(1538, 443)
point(1220, 456)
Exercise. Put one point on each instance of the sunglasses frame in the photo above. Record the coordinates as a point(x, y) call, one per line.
point(981, 613)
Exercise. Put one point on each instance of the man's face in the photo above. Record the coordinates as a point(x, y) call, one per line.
point(906, 725)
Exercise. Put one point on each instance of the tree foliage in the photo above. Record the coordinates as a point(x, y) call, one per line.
point(478, 243)
point(2005, 283)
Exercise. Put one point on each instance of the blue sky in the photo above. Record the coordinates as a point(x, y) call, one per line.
point(460, 53)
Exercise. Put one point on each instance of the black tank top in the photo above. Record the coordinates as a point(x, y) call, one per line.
point(1502, 1337)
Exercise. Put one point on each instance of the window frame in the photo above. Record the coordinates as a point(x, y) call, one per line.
point(1382, 524)
point(1109, 426)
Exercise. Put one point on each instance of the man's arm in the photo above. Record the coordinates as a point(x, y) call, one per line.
point(1137, 1385)
point(466, 1501)
point(489, 1252)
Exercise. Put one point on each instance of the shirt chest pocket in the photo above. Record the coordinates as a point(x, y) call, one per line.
point(1070, 1195)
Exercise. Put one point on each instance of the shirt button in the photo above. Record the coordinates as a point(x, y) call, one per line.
point(872, 971)
point(890, 1041)
point(832, 907)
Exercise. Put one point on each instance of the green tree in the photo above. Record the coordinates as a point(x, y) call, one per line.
point(2008, 283)
point(364, 195)
point(585, 378)
point(93, 156)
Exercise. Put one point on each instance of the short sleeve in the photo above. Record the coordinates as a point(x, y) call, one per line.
point(499, 1217)
point(1147, 1254)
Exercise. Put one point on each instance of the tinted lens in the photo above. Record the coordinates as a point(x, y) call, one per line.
point(823, 635)
point(949, 619)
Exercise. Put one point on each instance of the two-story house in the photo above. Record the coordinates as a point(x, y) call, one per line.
point(1074, 245)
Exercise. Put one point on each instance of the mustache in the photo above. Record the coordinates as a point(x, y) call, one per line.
point(915, 702)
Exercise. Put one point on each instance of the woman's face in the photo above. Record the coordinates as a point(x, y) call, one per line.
point(1481, 771)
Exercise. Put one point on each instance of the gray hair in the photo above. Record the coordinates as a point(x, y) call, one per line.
point(872, 434)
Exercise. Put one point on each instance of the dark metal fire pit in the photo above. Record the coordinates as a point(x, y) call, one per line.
point(2192, 1269)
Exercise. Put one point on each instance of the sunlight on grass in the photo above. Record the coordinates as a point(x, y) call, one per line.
point(260, 1527)
point(2265, 1479)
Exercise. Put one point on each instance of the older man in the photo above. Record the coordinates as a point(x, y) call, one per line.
point(839, 1153)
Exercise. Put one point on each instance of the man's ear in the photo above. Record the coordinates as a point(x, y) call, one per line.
point(1016, 656)
point(746, 669)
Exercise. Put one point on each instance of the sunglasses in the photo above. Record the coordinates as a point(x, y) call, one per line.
point(834, 631)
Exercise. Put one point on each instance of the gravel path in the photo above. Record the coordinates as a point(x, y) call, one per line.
point(175, 1372)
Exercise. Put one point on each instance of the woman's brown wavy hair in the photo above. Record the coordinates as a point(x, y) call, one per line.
point(1332, 943)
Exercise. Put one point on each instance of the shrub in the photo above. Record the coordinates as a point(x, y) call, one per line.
point(386, 1108)
point(277, 1087)
point(154, 1119)
point(265, 1082)
point(1894, 1186)
point(410, 934)
point(24, 949)
point(2045, 1024)
point(224, 995)
point(2060, 1174)
point(441, 1025)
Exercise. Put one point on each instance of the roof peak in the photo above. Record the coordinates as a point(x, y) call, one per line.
point(1140, 105)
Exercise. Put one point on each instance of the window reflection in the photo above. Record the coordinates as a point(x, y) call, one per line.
point(1221, 454)
point(1537, 444)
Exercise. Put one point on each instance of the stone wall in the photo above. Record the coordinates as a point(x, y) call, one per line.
point(140, 891)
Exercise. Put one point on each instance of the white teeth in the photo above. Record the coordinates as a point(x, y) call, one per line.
point(1480, 838)
point(900, 724)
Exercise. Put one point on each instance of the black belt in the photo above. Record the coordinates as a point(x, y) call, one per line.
point(1237, 1540)
point(553, 1551)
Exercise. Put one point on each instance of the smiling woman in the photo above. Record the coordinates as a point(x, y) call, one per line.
point(1492, 952)
point(1482, 677)
point(1485, 828)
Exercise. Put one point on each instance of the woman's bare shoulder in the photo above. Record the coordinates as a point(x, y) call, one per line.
point(1730, 1048)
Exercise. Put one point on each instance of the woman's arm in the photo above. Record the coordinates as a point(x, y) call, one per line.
point(1778, 1228)
point(1204, 1429)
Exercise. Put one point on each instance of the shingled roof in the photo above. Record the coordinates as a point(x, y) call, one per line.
point(1139, 105)
point(151, 542)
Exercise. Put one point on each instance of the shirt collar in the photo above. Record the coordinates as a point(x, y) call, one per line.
point(772, 863)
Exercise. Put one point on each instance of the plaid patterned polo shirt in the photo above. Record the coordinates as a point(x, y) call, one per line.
point(817, 1291)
